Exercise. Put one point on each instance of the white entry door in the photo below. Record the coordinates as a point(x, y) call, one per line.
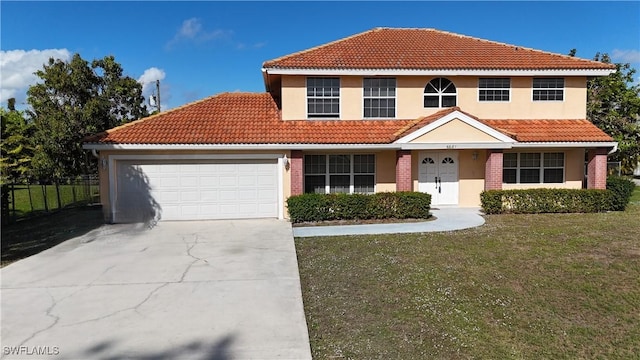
point(438, 176)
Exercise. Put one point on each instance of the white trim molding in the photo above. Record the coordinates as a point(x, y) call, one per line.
point(438, 72)
point(450, 117)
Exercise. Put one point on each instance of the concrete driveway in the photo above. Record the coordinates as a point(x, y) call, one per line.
point(182, 290)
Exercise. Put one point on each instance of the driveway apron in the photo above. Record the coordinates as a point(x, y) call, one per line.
point(182, 290)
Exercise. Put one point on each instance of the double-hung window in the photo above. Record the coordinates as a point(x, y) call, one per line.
point(337, 173)
point(379, 97)
point(323, 97)
point(533, 168)
point(548, 89)
point(494, 89)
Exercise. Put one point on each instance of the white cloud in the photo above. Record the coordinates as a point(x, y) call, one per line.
point(192, 31)
point(627, 56)
point(17, 69)
point(148, 81)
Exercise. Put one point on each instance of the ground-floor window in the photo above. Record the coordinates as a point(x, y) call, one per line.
point(533, 168)
point(354, 173)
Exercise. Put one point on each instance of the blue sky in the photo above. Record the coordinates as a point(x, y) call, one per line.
point(198, 49)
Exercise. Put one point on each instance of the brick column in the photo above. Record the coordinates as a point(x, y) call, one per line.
point(403, 171)
point(493, 170)
point(597, 169)
point(297, 176)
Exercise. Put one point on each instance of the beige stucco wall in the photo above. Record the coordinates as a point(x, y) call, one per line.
point(386, 171)
point(410, 105)
point(104, 172)
point(471, 177)
point(455, 131)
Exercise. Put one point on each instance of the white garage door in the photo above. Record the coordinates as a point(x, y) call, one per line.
point(220, 189)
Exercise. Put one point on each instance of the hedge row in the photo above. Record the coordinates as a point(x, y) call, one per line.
point(533, 201)
point(622, 189)
point(387, 205)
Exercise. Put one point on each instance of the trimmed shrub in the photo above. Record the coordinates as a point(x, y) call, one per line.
point(322, 207)
point(534, 201)
point(622, 189)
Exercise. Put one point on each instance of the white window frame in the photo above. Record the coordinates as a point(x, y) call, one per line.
point(534, 89)
point(541, 168)
point(351, 173)
point(439, 93)
point(322, 116)
point(481, 89)
point(379, 97)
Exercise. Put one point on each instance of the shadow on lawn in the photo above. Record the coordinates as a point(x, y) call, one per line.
point(31, 236)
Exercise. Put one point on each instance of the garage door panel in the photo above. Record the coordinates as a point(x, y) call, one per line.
point(220, 189)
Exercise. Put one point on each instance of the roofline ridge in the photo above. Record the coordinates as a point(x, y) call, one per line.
point(596, 64)
point(320, 46)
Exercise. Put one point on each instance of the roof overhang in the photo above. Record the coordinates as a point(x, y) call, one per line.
point(438, 72)
point(351, 147)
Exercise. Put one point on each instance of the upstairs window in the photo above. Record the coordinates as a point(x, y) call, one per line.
point(494, 89)
point(379, 97)
point(533, 168)
point(323, 97)
point(548, 89)
point(440, 93)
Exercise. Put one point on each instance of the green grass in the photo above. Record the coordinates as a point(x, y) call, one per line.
point(30, 200)
point(549, 286)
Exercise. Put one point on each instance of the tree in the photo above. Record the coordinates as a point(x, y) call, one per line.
point(76, 99)
point(613, 105)
point(16, 146)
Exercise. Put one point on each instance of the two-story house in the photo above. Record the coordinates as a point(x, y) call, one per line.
point(385, 110)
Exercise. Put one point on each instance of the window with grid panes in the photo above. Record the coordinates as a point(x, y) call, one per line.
point(494, 89)
point(439, 93)
point(379, 97)
point(548, 89)
point(339, 173)
point(533, 168)
point(323, 97)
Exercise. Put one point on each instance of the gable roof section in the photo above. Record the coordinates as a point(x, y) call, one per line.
point(253, 118)
point(426, 49)
point(430, 123)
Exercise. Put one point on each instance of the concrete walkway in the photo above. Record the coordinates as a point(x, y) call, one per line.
point(447, 219)
point(182, 290)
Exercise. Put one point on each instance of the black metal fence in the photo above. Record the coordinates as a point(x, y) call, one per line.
point(32, 199)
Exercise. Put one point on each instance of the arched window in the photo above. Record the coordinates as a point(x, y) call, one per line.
point(440, 92)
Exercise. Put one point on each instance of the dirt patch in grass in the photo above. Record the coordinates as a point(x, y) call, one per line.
point(33, 235)
point(520, 286)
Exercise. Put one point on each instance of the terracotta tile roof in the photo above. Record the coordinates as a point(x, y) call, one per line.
point(398, 48)
point(250, 118)
point(550, 130)
point(244, 118)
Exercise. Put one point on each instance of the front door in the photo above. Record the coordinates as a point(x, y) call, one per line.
point(438, 176)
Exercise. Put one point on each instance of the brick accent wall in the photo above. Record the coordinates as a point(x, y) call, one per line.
point(403, 171)
point(493, 170)
point(597, 169)
point(297, 176)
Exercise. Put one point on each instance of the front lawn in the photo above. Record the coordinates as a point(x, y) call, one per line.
point(520, 287)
